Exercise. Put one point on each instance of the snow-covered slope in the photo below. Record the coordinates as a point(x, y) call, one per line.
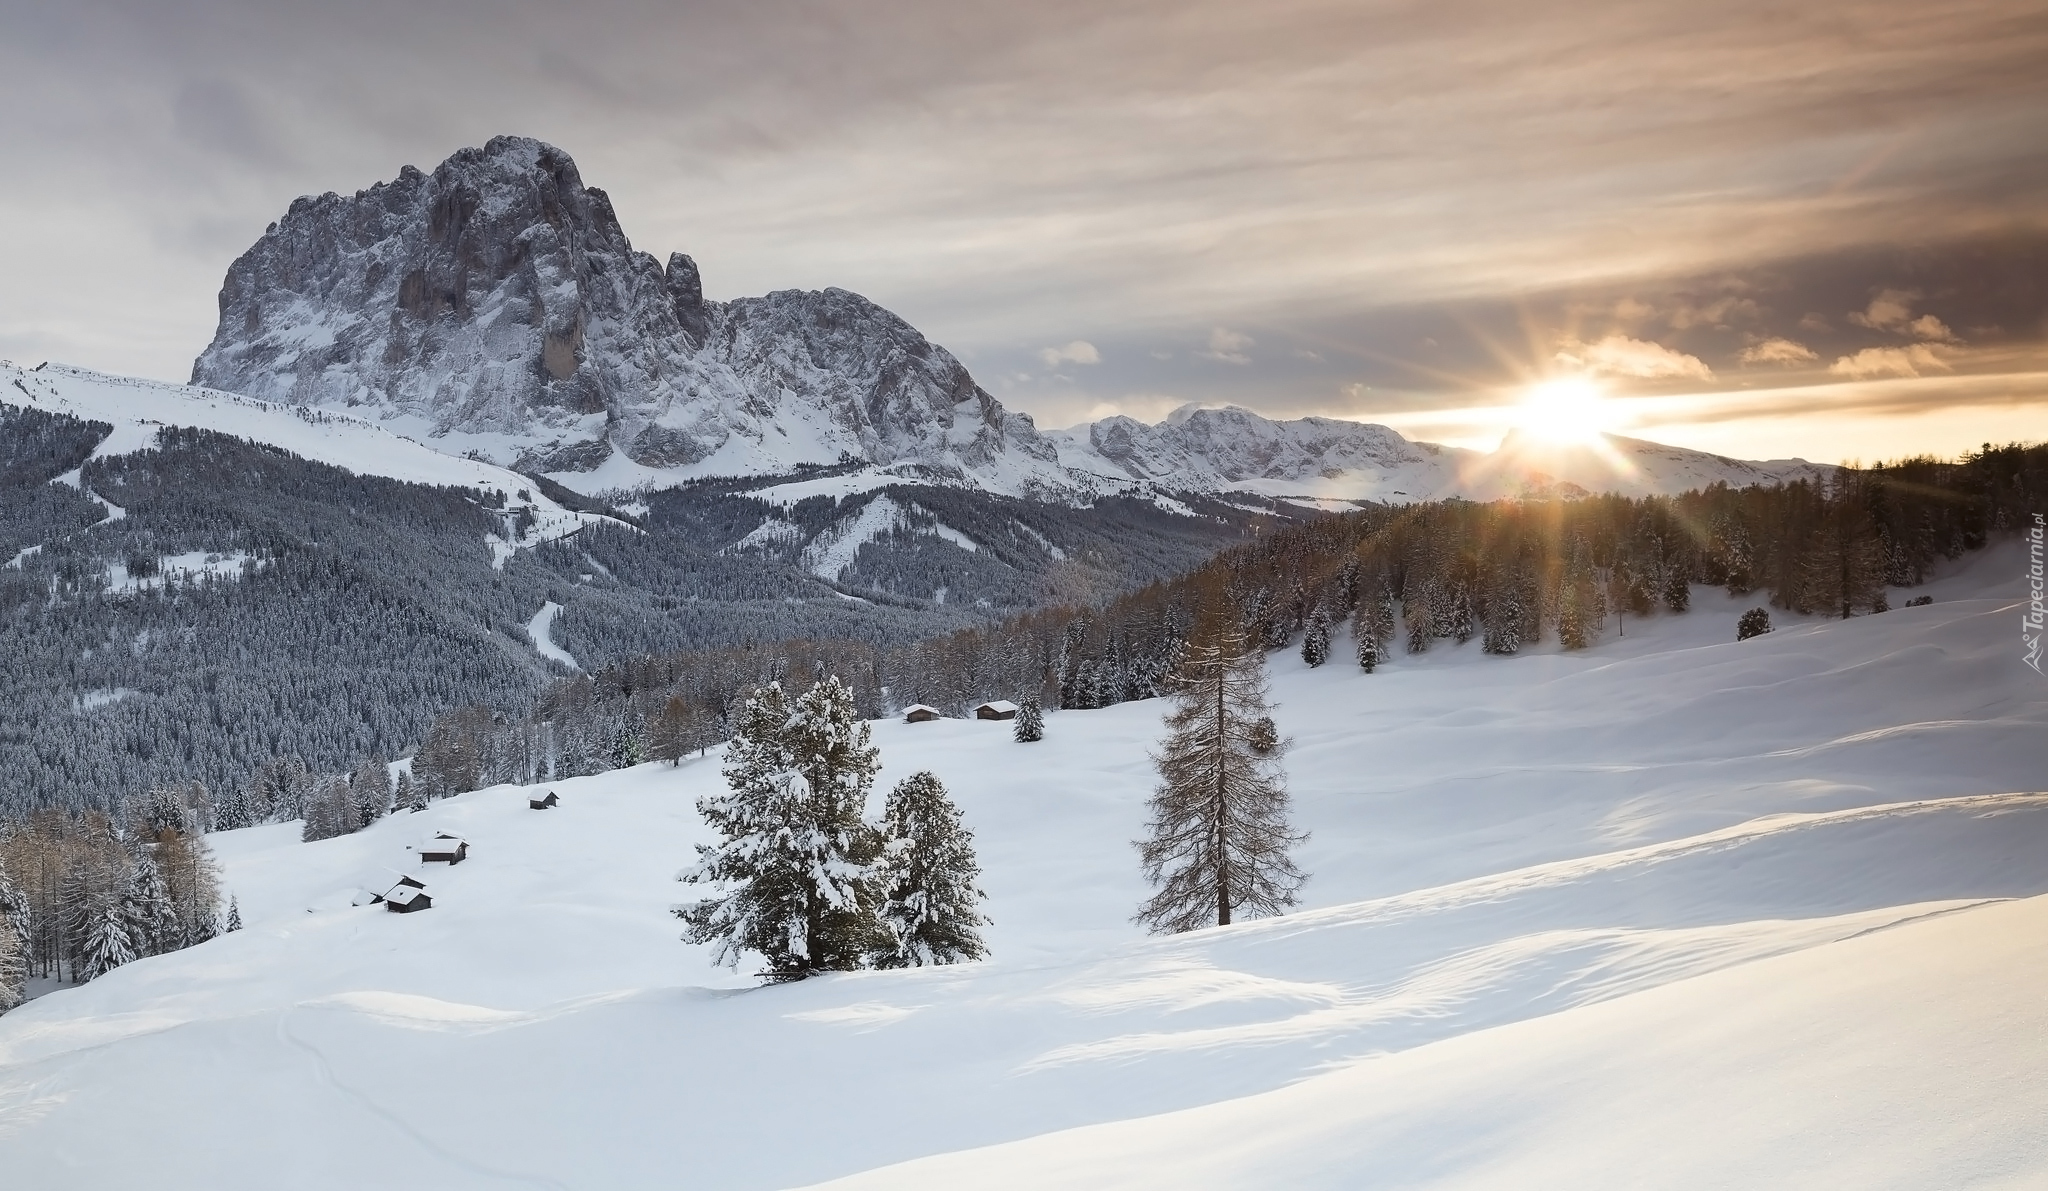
point(1232, 449)
point(1676, 912)
point(138, 409)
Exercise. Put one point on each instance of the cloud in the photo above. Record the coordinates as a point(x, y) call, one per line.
point(1080, 351)
point(1629, 312)
point(1889, 361)
point(1228, 346)
point(1718, 313)
point(1618, 355)
point(1929, 327)
point(1780, 351)
point(1890, 310)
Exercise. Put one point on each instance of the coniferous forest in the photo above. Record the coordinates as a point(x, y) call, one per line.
point(1349, 589)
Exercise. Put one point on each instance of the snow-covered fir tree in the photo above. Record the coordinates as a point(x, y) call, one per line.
point(1315, 640)
point(370, 785)
point(1218, 840)
point(1030, 722)
point(14, 943)
point(234, 922)
point(793, 876)
point(106, 939)
point(152, 919)
point(928, 872)
point(407, 794)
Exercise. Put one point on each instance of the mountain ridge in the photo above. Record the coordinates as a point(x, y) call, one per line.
point(495, 307)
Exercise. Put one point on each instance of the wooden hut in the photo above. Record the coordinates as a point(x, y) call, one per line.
point(446, 849)
point(404, 899)
point(918, 713)
point(370, 897)
point(544, 801)
point(996, 709)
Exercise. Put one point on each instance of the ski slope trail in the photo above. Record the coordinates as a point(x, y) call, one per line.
point(1677, 911)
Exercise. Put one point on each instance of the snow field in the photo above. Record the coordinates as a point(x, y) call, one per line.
point(137, 409)
point(1675, 912)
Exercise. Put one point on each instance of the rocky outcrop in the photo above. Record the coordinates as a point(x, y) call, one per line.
point(497, 303)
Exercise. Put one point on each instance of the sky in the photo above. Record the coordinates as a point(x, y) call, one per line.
point(1761, 229)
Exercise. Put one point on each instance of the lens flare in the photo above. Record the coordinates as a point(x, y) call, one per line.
point(1566, 410)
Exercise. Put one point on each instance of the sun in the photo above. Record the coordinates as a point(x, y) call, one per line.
point(1569, 410)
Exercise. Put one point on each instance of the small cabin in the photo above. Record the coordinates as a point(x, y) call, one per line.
point(446, 849)
point(370, 897)
point(996, 709)
point(544, 801)
point(918, 713)
point(404, 899)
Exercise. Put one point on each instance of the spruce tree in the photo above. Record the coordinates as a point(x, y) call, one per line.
point(1369, 656)
point(370, 786)
point(106, 939)
point(408, 795)
point(1030, 722)
point(14, 943)
point(1218, 839)
point(1754, 623)
point(1315, 642)
point(234, 922)
point(152, 920)
point(13, 966)
point(928, 872)
point(792, 877)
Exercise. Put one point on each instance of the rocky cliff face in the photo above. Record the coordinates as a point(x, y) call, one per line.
point(496, 304)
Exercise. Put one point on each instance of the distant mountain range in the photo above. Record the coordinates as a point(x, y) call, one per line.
point(495, 308)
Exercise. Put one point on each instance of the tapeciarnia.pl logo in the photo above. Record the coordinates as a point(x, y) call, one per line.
point(2037, 594)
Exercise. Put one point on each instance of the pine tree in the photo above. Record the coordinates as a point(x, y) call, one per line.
point(14, 943)
point(928, 871)
point(1315, 642)
point(234, 922)
point(1754, 623)
point(152, 921)
point(107, 940)
point(792, 877)
point(1219, 837)
point(668, 738)
point(13, 966)
point(1504, 618)
point(1030, 722)
point(370, 786)
point(408, 795)
point(1369, 655)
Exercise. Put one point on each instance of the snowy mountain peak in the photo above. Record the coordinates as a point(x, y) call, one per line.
point(496, 304)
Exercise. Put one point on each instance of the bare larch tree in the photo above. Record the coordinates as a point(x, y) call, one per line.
point(1219, 836)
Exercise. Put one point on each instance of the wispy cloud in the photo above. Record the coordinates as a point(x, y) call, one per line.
point(1619, 355)
point(1787, 353)
point(1910, 360)
point(1080, 351)
point(1228, 346)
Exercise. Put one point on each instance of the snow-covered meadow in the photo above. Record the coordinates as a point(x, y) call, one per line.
point(1675, 912)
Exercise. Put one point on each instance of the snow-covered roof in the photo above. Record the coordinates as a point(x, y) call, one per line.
point(441, 843)
point(404, 894)
point(914, 708)
point(365, 897)
point(998, 705)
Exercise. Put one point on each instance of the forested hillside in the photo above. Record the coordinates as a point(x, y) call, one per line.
point(1349, 590)
point(202, 608)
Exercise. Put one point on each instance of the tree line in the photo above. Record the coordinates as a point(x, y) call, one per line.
point(83, 893)
point(1511, 574)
